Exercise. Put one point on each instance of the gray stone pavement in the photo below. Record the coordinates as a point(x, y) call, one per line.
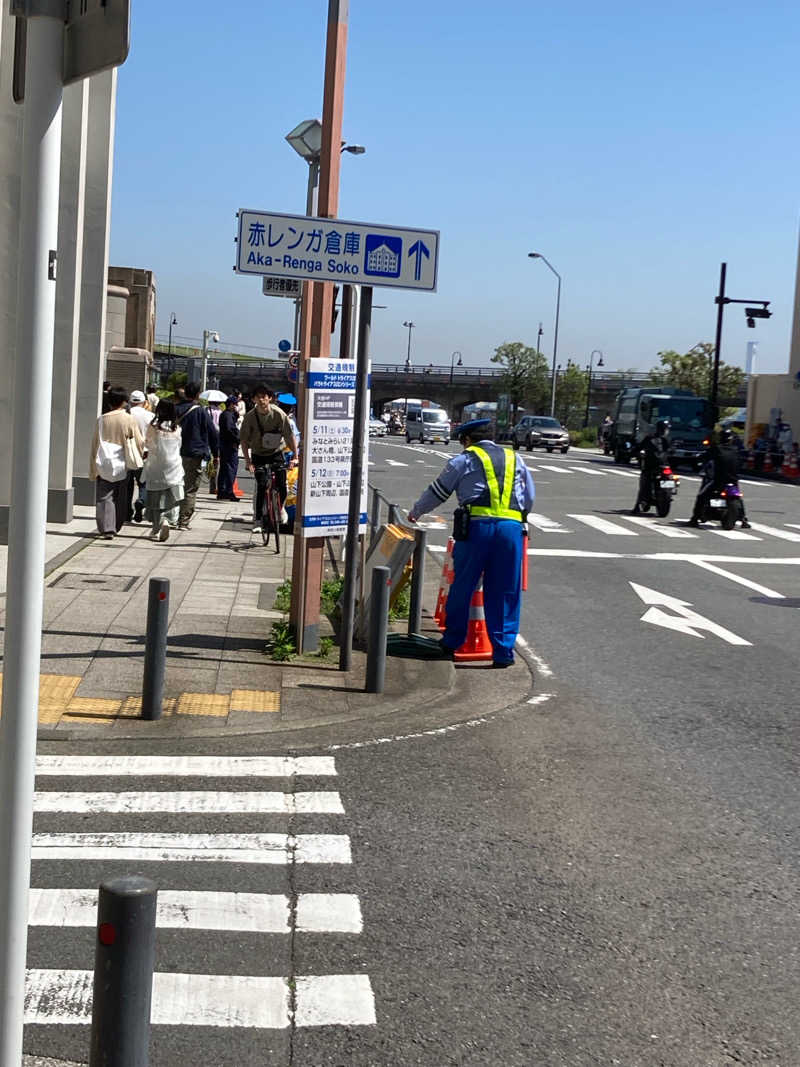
point(219, 677)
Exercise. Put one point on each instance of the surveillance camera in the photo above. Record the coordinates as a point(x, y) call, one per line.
point(751, 322)
point(215, 337)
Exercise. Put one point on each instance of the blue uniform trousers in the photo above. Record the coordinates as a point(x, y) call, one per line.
point(494, 549)
point(228, 467)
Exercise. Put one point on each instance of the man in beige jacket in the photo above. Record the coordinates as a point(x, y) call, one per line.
point(111, 498)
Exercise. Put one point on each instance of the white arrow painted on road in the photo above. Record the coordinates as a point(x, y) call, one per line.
point(684, 620)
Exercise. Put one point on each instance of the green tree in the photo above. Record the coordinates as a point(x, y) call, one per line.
point(571, 395)
point(175, 380)
point(693, 370)
point(524, 374)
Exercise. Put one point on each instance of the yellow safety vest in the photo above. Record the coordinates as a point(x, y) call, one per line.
point(498, 502)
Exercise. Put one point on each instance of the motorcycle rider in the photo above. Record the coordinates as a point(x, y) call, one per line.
point(720, 468)
point(655, 455)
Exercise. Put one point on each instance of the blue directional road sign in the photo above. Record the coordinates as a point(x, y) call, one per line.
point(284, 346)
point(335, 250)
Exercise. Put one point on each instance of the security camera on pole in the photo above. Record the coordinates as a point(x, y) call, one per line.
point(214, 336)
point(60, 43)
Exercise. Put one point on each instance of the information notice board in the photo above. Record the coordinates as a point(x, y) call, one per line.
point(328, 438)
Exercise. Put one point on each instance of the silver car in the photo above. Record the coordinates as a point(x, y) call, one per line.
point(541, 431)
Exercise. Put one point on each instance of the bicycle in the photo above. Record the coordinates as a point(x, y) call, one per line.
point(271, 508)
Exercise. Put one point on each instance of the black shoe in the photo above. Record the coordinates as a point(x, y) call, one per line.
point(746, 525)
point(499, 665)
point(693, 522)
point(445, 652)
point(138, 507)
point(636, 511)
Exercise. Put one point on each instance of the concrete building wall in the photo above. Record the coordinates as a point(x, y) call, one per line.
point(140, 330)
point(116, 318)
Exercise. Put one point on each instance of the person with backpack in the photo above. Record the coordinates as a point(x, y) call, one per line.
point(199, 442)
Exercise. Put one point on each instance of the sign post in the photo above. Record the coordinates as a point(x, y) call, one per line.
point(46, 47)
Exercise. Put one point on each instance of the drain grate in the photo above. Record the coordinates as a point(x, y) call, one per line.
point(113, 583)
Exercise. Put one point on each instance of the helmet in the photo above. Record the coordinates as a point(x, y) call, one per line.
point(662, 428)
point(725, 436)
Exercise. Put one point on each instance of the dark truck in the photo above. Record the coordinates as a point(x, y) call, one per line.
point(637, 411)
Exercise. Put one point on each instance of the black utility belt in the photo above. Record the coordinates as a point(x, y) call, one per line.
point(462, 518)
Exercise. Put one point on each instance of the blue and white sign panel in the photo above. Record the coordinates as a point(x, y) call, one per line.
point(334, 250)
point(330, 405)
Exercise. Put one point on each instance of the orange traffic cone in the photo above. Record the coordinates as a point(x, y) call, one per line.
point(477, 645)
point(444, 586)
point(751, 460)
point(237, 492)
point(793, 469)
point(786, 465)
point(767, 468)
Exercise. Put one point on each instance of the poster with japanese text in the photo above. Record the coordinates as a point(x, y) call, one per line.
point(331, 395)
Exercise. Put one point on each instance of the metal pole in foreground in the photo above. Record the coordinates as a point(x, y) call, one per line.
point(393, 517)
point(720, 302)
point(555, 340)
point(375, 512)
point(378, 626)
point(155, 648)
point(417, 580)
point(41, 160)
point(123, 973)
point(356, 480)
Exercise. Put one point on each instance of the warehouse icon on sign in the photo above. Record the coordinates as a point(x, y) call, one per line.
point(383, 255)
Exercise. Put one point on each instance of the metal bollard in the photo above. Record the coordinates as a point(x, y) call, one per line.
point(417, 581)
point(155, 648)
point(378, 626)
point(375, 513)
point(393, 516)
point(123, 973)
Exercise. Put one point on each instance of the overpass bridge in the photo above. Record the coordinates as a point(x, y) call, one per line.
point(451, 388)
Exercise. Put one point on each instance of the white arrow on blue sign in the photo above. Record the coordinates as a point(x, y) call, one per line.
point(336, 250)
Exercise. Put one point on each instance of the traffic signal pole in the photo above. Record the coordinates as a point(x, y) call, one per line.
point(316, 326)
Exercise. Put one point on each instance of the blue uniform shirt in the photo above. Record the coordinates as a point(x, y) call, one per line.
point(465, 476)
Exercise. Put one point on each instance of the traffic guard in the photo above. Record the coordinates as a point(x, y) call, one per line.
point(495, 491)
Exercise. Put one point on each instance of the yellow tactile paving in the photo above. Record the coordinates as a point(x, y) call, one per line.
point(203, 704)
point(255, 700)
point(57, 700)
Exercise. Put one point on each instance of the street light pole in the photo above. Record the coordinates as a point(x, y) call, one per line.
point(589, 383)
point(539, 339)
point(206, 335)
point(173, 321)
point(538, 255)
point(459, 364)
point(410, 325)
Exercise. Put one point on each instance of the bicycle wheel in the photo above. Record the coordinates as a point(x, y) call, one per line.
point(275, 516)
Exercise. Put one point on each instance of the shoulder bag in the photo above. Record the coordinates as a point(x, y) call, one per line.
point(109, 458)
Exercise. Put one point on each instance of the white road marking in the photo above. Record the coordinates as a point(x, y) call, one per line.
point(684, 620)
point(604, 526)
point(192, 803)
point(558, 470)
point(784, 535)
point(591, 470)
point(541, 698)
point(437, 548)
point(667, 531)
point(185, 766)
point(183, 848)
point(734, 535)
point(622, 474)
point(320, 913)
point(738, 579)
point(541, 666)
point(794, 525)
point(541, 522)
point(262, 913)
point(395, 463)
point(216, 1000)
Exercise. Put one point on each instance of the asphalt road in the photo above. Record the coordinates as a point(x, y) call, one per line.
point(605, 873)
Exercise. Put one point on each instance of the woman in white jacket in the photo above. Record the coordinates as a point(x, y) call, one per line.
point(163, 471)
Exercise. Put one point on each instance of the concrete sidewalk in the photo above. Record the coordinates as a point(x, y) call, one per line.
point(220, 678)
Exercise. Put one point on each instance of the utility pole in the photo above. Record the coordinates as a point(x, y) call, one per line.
point(315, 329)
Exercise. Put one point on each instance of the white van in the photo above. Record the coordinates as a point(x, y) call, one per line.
point(427, 424)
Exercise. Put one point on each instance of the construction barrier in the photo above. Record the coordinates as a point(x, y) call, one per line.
point(750, 463)
point(477, 645)
point(790, 468)
point(768, 467)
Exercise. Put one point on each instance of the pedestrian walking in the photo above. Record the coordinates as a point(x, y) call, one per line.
point(495, 491)
point(228, 450)
point(163, 471)
point(108, 466)
point(143, 417)
point(199, 443)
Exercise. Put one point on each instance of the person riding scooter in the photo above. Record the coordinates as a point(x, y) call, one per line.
point(655, 455)
point(720, 468)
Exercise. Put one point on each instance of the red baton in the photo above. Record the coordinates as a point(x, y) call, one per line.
point(525, 560)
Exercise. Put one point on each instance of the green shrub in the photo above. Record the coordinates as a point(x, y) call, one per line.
point(281, 644)
point(329, 595)
point(325, 647)
point(585, 438)
point(283, 597)
point(402, 605)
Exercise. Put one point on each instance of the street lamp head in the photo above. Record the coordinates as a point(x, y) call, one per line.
point(354, 149)
point(408, 324)
point(306, 139)
point(173, 320)
point(534, 255)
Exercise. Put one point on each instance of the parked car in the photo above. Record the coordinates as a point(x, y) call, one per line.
point(427, 424)
point(541, 431)
point(377, 428)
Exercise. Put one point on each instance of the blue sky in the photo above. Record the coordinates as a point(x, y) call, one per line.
point(636, 149)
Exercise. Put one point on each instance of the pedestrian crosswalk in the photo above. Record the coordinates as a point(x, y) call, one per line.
point(620, 526)
point(245, 859)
